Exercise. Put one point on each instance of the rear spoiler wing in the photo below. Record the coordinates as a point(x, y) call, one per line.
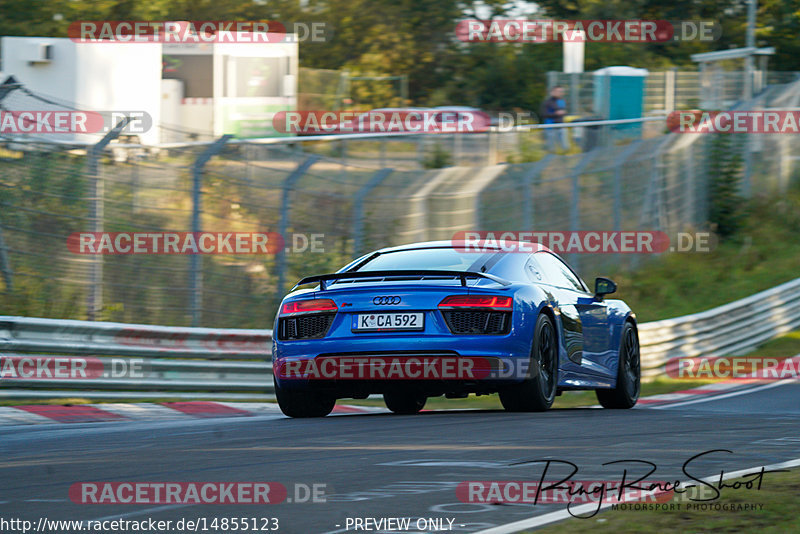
point(463, 275)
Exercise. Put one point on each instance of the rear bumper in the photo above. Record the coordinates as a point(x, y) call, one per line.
point(440, 364)
point(363, 389)
point(490, 346)
point(500, 352)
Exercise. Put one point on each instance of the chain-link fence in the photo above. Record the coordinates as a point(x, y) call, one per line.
point(321, 89)
point(328, 208)
point(666, 91)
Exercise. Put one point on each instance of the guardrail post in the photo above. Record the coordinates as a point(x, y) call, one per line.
point(669, 88)
point(691, 187)
point(358, 209)
point(574, 213)
point(619, 161)
point(491, 151)
point(94, 301)
point(651, 215)
point(608, 132)
point(5, 264)
point(574, 90)
point(747, 166)
point(527, 199)
point(195, 266)
point(478, 184)
point(288, 185)
point(552, 80)
point(574, 209)
point(7, 87)
point(649, 206)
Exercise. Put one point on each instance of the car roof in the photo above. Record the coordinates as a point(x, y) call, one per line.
point(400, 109)
point(454, 243)
point(457, 108)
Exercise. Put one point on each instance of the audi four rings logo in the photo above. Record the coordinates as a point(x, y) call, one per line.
point(384, 301)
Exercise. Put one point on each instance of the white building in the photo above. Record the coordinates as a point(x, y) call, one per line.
point(192, 90)
point(229, 88)
point(90, 77)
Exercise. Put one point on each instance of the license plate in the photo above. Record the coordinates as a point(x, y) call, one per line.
point(364, 322)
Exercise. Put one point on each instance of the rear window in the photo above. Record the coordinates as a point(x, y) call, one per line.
point(445, 259)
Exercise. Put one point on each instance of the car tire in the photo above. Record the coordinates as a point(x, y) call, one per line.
point(629, 373)
point(404, 403)
point(300, 402)
point(538, 391)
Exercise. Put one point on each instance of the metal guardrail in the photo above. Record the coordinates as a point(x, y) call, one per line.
point(140, 361)
point(144, 361)
point(731, 329)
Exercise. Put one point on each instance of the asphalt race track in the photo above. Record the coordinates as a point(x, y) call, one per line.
point(383, 465)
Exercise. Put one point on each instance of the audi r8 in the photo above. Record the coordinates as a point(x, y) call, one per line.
point(435, 318)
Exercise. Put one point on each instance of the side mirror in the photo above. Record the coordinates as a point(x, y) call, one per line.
point(603, 287)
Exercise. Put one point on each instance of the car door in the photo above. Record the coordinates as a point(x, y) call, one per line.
point(585, 319)
point(567, 302)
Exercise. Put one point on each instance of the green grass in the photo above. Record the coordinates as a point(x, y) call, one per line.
point(778, 495)
point(781, 347)
point(767, 253)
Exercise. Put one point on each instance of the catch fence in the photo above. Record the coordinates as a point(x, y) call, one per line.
point(330, 206)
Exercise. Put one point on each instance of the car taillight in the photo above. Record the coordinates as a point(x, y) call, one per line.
point(309, 306)
point(483, 302)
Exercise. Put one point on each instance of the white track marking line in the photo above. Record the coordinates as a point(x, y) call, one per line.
point(144, 411)
point(255, 408)
point(726, 395)
point(720, 386)
point(552, 517)
point(9, 415)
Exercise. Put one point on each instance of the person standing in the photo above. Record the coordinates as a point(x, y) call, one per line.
point(553, 111)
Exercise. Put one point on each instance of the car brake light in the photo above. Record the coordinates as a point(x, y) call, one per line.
point(477, 301)
point(309, 306)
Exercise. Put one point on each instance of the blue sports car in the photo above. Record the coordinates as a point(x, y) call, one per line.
point(431, 319)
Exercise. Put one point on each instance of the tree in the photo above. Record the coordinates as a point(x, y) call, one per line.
point(724, 180)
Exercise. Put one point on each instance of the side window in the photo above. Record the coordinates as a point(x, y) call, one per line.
point(557, 273)
point(533, 271)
